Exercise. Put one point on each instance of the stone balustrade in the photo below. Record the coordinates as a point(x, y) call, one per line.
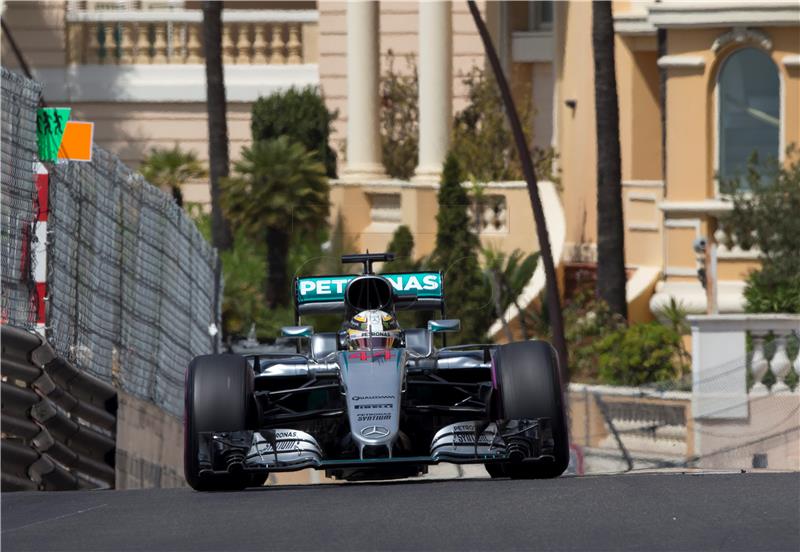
point(779, 364)
point(489, 213)
point(729, 248)
point(744, 367)
point(721, 361)
point(249, 37)
point(654, 427)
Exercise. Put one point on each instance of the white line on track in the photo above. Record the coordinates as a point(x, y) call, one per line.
point(55, 518)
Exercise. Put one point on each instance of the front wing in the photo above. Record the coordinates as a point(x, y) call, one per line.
point(281, 450)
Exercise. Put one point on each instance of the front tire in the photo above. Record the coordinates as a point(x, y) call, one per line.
point(219, 390)
point(530, 388)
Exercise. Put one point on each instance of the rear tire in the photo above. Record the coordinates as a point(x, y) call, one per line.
point(530, 387)
point(219, 390)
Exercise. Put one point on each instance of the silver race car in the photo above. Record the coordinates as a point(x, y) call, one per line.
point(373, 400)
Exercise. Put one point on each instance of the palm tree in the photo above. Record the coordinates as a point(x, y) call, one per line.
point(509, 274)
point(218, 159)
point(611, 277)
point(279, 191)
point(169, 169)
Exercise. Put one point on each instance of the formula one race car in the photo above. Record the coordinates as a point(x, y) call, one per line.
point(373, 400)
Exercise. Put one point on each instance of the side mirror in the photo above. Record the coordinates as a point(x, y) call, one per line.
point(297, 331)
point(441, 326)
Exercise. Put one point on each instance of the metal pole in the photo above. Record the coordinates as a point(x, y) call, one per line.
point(607, 417)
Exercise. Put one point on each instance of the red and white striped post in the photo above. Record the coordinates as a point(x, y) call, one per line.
point(40, 245)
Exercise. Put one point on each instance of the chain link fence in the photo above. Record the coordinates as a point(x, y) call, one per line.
point(20, 98)
point(132, 285)
point(131, 280)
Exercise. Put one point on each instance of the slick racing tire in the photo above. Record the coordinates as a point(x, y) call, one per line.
point(219, 391)
point(530, 388)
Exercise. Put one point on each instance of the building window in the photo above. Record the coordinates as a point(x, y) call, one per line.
point(385, 208)
point(749, 110)
point(540, 16)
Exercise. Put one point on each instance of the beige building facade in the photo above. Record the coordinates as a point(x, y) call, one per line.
point(700, 86)
point(136, 67)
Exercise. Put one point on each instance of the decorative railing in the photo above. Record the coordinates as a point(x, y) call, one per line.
point(728, 247)
point(775, 338)
point(745, 397)
point(636, 422)
point(489, 214)
point(249, 37)
point(722, 363)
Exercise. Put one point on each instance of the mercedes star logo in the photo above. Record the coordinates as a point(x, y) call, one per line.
point(375, 431)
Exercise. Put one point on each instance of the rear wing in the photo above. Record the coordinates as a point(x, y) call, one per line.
point(325, 294)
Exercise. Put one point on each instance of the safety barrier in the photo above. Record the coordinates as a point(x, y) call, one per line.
point(19, 207)
point(58, 423)
point(123, 291)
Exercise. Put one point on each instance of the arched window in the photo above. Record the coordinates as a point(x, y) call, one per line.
point(749, 110)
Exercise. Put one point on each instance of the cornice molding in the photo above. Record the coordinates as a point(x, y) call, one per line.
point(685, 62)
point(681, 14)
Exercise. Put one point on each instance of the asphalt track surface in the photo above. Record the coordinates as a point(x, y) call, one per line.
point(751, 511)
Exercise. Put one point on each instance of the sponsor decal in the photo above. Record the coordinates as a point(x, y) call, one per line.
point(461, 439)
point(281, 446)
point(331, 288)
point(372, 397)
point(372, 417)
point(414, 282)
point(388, 405)
point(378, 354)
point(375, 432)
point(285, 434)
point(468, 427)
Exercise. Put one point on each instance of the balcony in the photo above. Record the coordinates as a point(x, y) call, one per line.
point(249, 37)
point(157, 55)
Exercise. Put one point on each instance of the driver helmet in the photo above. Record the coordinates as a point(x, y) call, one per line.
point(372, 329)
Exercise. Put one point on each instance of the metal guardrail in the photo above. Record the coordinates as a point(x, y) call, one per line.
point(58, 423)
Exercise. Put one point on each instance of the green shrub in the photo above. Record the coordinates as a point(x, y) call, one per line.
point(302, 116)
point(771, 290)
point(402, 245)
point(399, 119)
point(638, 355)
point(587, 321)
point(674, 316)
point(243, 273)
point(482, 139)
point(766, 203)
point(456, 255)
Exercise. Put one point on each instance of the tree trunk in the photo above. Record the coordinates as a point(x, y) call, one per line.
point(277, 290)
point(553, 297)
point(217, 120)
point(611, 276)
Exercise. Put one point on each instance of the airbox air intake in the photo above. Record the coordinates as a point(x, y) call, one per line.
point(368, 293)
